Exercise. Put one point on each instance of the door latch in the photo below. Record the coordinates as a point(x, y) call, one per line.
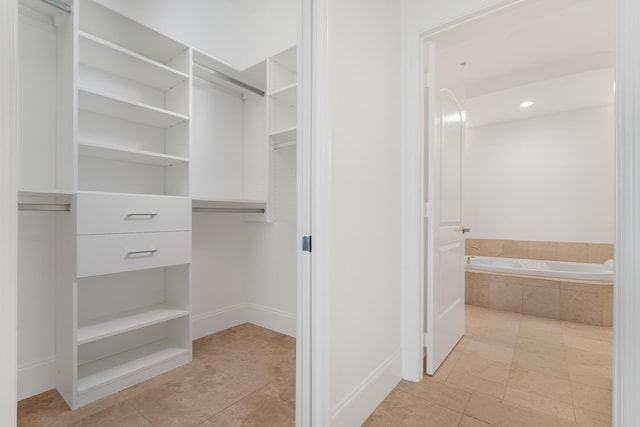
point(465, 230)
point(306, 243)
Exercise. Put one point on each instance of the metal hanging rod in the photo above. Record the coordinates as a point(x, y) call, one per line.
point(58, 4)
point(229, 79)
point(45, 207)
point(229, 210)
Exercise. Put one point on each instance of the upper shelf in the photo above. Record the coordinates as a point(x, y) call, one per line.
point(122, 31)
point(283, 135)
point(102, 151)
point(114, 59)
point(47, 8)
point(286, 95)
point(101, 103)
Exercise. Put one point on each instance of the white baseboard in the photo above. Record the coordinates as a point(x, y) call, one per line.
point(228, 317)
point(356, 407)
point(36, 377)
point(218, 320)
point(271, 318)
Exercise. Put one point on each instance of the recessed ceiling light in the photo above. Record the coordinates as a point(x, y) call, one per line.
point(526, 104)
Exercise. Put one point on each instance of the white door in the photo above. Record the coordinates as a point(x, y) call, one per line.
point(444, 240)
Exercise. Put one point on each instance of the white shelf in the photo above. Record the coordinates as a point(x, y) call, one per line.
point(111, 58)
point(110, 369)
point(200, 202)
point(43, 192)
point(286, 95)
point(283, 135)
point(105, 104)
point(105, 327)
point(42, 7)
point(127, 155)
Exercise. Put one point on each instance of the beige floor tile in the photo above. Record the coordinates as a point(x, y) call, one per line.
point(284, 392)
point(129, 418)
point(437, 392)
point(541, 404)
point(581, 330)
point(472, 422)
point(476, 384)
point(547, 386)
point(191, 399)
point(594, 399)
point(45, 409)
point(534, 345)
point(589, 358)
point(595, 346)
point(601, 377)
point(588, 418)
point(503, 414)
point(545, 363)
point(255, 410)
point(472, 364)
point(120, 414)
point(489, 351)
point(402, 409)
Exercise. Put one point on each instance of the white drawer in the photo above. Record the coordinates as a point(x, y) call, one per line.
point(122, 213)
point(113, 253)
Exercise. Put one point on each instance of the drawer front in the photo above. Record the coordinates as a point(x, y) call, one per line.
point(114, 253)
point(116, 213)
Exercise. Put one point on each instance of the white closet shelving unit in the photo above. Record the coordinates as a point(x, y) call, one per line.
point(132, 130)
point(282, 91)
point(46, 247)
point(229, 167)
point(130, 304)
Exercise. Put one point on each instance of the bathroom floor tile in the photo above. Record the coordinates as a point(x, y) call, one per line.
point(503, 414)
point(539, 403)
point(437, 392)
point(402, 409)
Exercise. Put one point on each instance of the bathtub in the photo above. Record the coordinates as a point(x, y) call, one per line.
point(531, 267)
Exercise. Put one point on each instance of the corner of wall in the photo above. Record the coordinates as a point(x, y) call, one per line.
point(358, 405)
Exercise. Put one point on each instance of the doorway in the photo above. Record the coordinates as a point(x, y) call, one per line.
point(507, 67)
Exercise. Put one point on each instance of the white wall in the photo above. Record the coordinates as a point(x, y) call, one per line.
point(364, 81)
point(218, 273)
point(546, 178)
point(272, 284)
point(241, 33)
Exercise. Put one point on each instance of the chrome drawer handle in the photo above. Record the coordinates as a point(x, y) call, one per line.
point(133, 215)
point(150, 251)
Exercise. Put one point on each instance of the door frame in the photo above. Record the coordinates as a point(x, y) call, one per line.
point(8, 211)
point(313, 403)
point(627, 203)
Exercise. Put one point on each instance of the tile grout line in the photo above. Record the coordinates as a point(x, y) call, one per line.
point(566, 362)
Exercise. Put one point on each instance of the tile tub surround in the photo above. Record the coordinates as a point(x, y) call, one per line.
point(578, 301)
point(549, 251)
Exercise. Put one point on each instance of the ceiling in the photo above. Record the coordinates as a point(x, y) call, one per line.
point(558, 52)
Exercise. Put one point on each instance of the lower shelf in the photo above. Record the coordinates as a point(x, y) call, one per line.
point(110, 369)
